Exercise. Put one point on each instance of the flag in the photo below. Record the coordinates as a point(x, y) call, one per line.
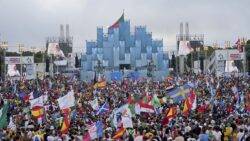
point(117, 23)
point(100, 84)
point(36, 106)
point(3, 116)
point(187, 107)
point(116, 76)
point(119, 133)
point(194, 104)
point(94, 104)
point(103, 109)
point(144, 107)
point(134, 75)
point(127, 121)
point(37, 111)
point(65, 124)
point(38, 102)
point(12, 125)
point(171, 113)
point(156, 102)
point(123, 111)
point(67, 101)
point(179, 93)
point(95, 130)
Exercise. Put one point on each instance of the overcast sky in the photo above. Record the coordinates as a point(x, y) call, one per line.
point(30, 21)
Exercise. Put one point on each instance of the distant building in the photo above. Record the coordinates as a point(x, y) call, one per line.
point(194, 41)
point(64, 40)
point(120, 50)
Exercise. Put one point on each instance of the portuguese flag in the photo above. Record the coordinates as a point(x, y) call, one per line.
point(117, 23)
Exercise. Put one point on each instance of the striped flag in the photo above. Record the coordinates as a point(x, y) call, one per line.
point(144, 107)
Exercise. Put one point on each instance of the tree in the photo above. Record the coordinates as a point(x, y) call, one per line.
point(247, 49)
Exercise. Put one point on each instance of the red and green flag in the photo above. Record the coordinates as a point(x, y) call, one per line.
point(117, 23)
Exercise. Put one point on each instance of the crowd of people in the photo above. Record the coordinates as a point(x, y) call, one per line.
point(189, 107)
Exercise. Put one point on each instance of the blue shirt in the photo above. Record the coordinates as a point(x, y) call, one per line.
point(203, 137)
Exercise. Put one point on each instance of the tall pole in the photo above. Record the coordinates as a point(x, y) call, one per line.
point(21, 59)
point(192, 61)
point(44, 71)
point(4, 54)
point(244, 59)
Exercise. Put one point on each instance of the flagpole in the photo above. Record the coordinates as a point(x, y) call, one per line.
point(244, 59)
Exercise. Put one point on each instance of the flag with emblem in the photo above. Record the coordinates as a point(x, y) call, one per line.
point(66, 120)
point(187, 107)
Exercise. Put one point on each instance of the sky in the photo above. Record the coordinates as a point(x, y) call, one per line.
point(30, 21)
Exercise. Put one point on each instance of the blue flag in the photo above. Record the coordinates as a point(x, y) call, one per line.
point(99, 126)
point(116, 76)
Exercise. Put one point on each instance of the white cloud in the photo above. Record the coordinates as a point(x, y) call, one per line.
point(30, 21)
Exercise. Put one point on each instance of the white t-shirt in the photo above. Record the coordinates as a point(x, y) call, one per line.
point(217, 135)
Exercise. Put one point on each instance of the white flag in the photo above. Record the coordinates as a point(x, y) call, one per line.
point(67, 101)
point(37, 102)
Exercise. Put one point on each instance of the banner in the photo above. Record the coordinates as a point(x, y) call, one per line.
point(54, 49)
point(30, 71)
point(19, 60)
point(184, 48)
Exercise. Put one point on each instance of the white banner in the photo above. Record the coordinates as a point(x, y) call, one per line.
point(19, 60)
point(30, 71)
point(184, 48)
point(12, 60)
